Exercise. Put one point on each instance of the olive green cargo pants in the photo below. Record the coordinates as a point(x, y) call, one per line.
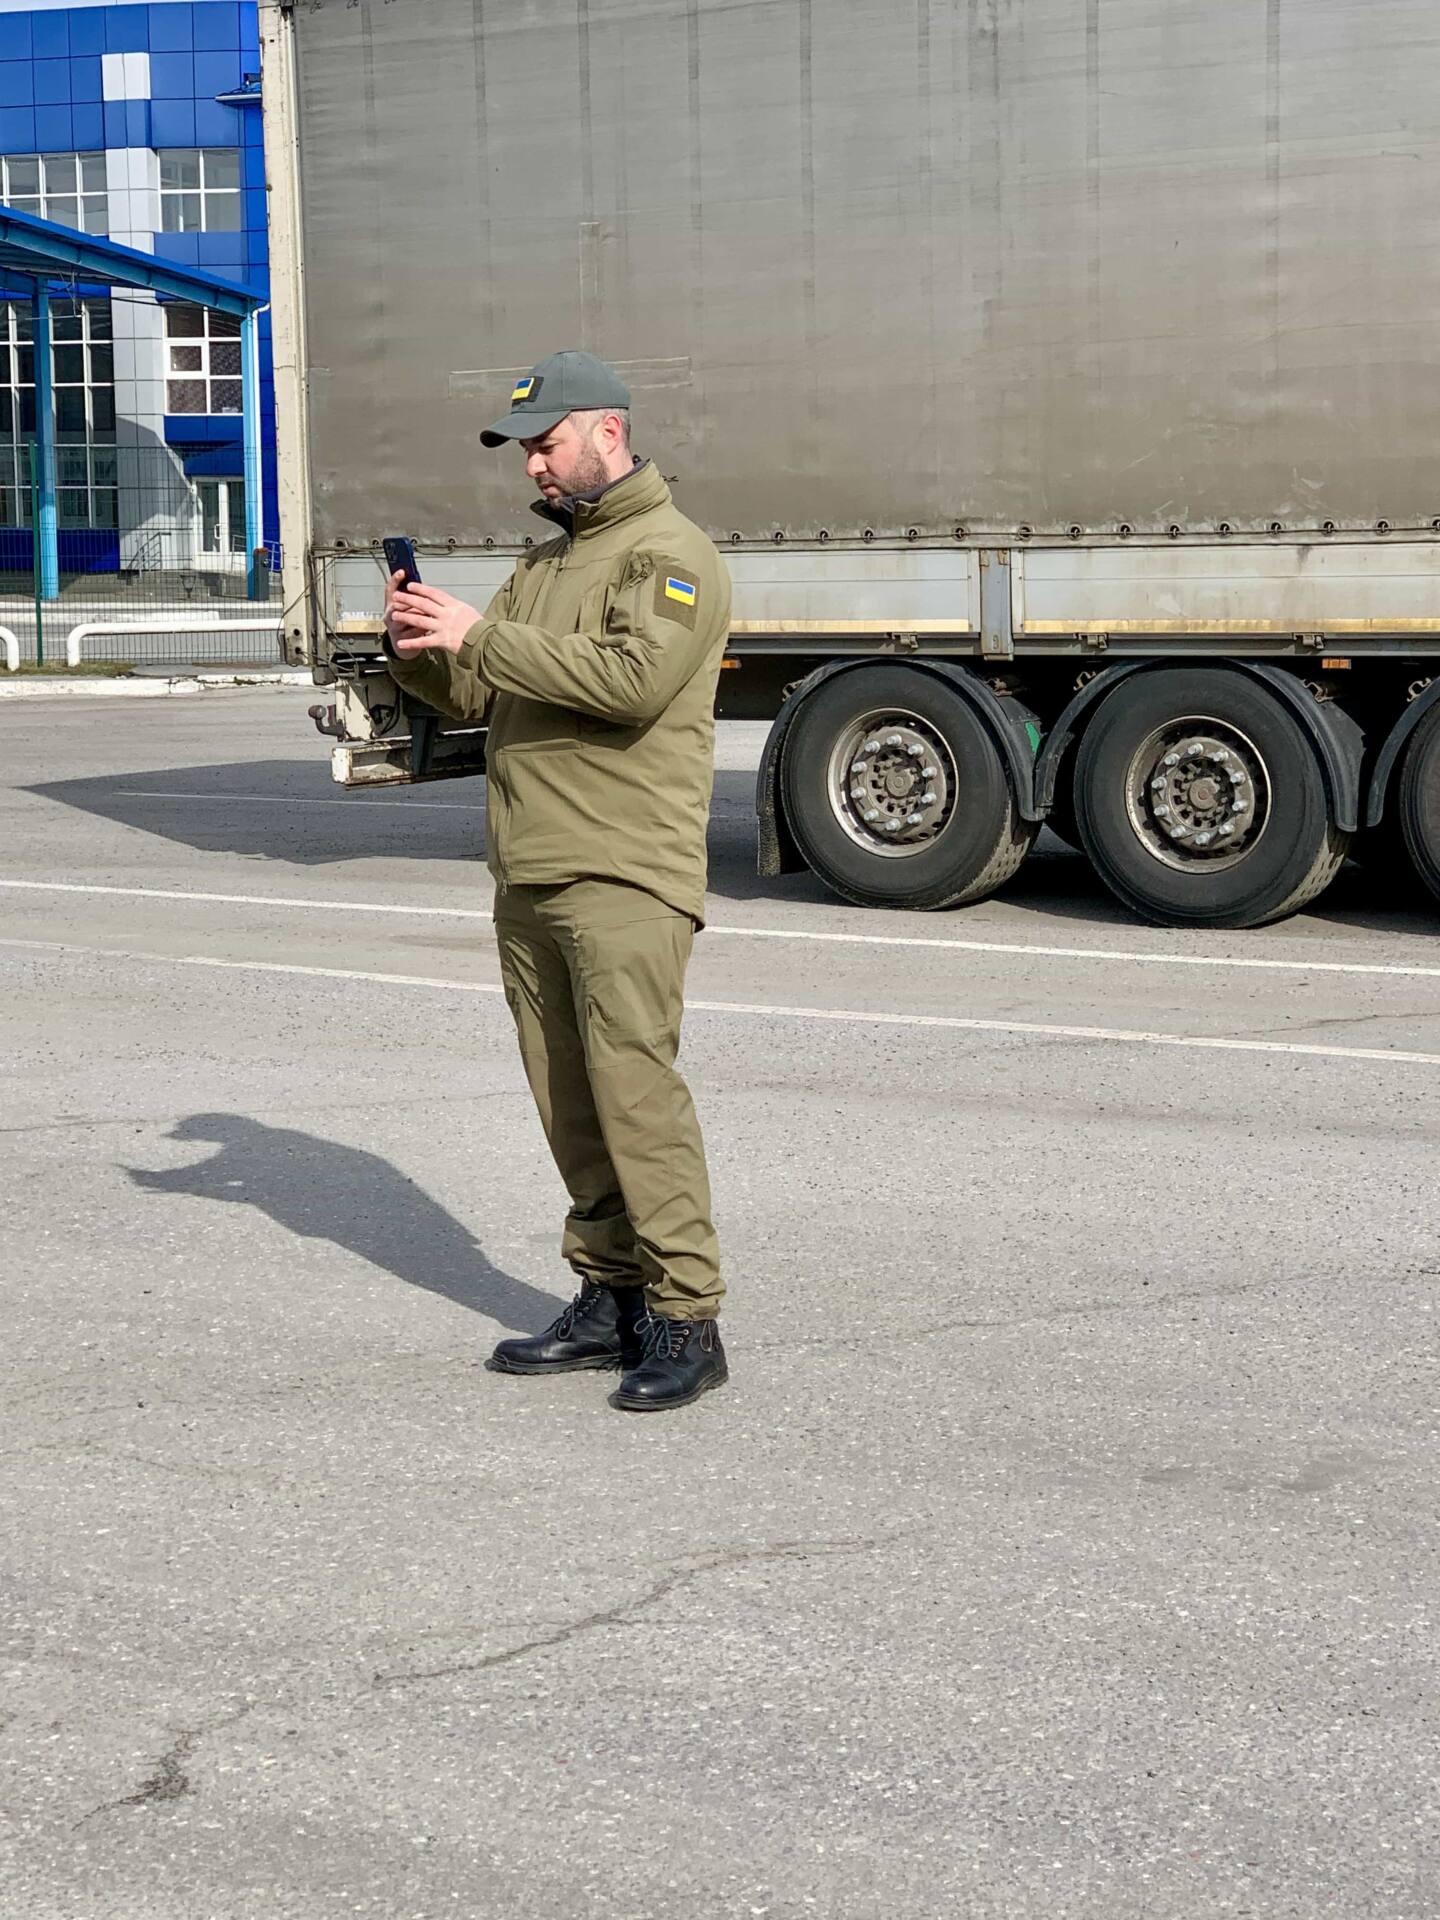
point(594, 972)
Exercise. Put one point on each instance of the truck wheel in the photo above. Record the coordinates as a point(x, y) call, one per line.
point(1418, 798)
point(1201, 802)
point(896, 793)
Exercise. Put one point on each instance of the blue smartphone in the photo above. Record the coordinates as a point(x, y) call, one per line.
point(400, 557)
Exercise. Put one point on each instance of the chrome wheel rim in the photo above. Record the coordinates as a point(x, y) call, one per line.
point(892, 783)
point(1197, 793)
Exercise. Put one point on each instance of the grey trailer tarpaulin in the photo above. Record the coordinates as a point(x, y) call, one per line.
point(891, 264)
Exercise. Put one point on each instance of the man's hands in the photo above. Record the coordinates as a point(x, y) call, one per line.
point(417, 617)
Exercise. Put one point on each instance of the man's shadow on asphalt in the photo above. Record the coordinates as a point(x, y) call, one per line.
point(324, 1191)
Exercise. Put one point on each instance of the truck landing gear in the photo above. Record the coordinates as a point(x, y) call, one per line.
point(897, 794)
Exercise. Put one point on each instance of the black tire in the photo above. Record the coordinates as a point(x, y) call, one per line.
point(1289, 848)
point(980, 840)
point(1417, 800)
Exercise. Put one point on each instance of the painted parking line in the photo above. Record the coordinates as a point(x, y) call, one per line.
point(846, 1016)
point(940, 944)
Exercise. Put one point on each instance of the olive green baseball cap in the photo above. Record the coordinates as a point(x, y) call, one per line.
point(568, 382)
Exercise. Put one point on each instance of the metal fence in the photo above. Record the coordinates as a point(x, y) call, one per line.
point(145, 533)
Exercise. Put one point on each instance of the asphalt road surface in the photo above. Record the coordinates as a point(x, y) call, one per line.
point(1065, 1544)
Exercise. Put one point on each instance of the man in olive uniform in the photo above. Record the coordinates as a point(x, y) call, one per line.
point(595, 668)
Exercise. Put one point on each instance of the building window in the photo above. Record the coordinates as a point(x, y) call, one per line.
point(202, 351)
point(14, 486)
point(85, 486)
point(85, 492)
point(68, 187)
point(200, 190)
point(83, 378)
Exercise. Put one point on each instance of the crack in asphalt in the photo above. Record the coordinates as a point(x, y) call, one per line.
point(170, 1778)
point(1079, 1310)
point(91, 1449)
point(1315, 1023)
point(626, 1610)
point(462, 1362)
point(169, 1781)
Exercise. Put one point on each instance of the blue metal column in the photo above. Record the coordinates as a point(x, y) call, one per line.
point(44, 455)
point(250, 407)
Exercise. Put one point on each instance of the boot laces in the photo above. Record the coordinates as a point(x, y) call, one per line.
point(664, 1339)
point(580, 1308)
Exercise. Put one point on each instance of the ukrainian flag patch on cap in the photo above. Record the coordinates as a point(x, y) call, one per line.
point(681, 590)
point(523, 389)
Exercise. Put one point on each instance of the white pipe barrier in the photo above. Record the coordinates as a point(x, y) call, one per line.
point(79, 635)
point(12, 649)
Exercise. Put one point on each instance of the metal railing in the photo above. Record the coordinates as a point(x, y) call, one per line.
point(149, 556)
point(76, 638)
point(152, 561)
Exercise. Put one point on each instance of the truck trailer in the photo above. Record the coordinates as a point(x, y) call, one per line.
point(1059, 378)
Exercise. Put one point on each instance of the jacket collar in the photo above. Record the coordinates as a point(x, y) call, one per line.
point(638, 491)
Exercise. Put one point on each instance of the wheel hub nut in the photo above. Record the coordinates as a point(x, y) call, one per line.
point(894, 785)
point(1197, 792)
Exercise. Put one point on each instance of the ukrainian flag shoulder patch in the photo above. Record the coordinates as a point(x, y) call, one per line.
point(677, 593)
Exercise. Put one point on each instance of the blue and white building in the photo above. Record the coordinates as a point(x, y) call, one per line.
point(141, 124)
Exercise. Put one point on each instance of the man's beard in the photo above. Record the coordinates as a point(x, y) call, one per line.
point(587, 473)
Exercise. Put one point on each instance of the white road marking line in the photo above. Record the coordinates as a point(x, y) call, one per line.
point(254, 966)
point(1129, 956)
point(841, 1015)
point(1133, 956)
point(281, 800)
point(250, 899)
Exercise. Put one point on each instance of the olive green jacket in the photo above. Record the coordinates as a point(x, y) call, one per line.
point(595, 666)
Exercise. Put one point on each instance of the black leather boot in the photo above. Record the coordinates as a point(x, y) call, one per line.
point(599, 1328)
point(682, 1360)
